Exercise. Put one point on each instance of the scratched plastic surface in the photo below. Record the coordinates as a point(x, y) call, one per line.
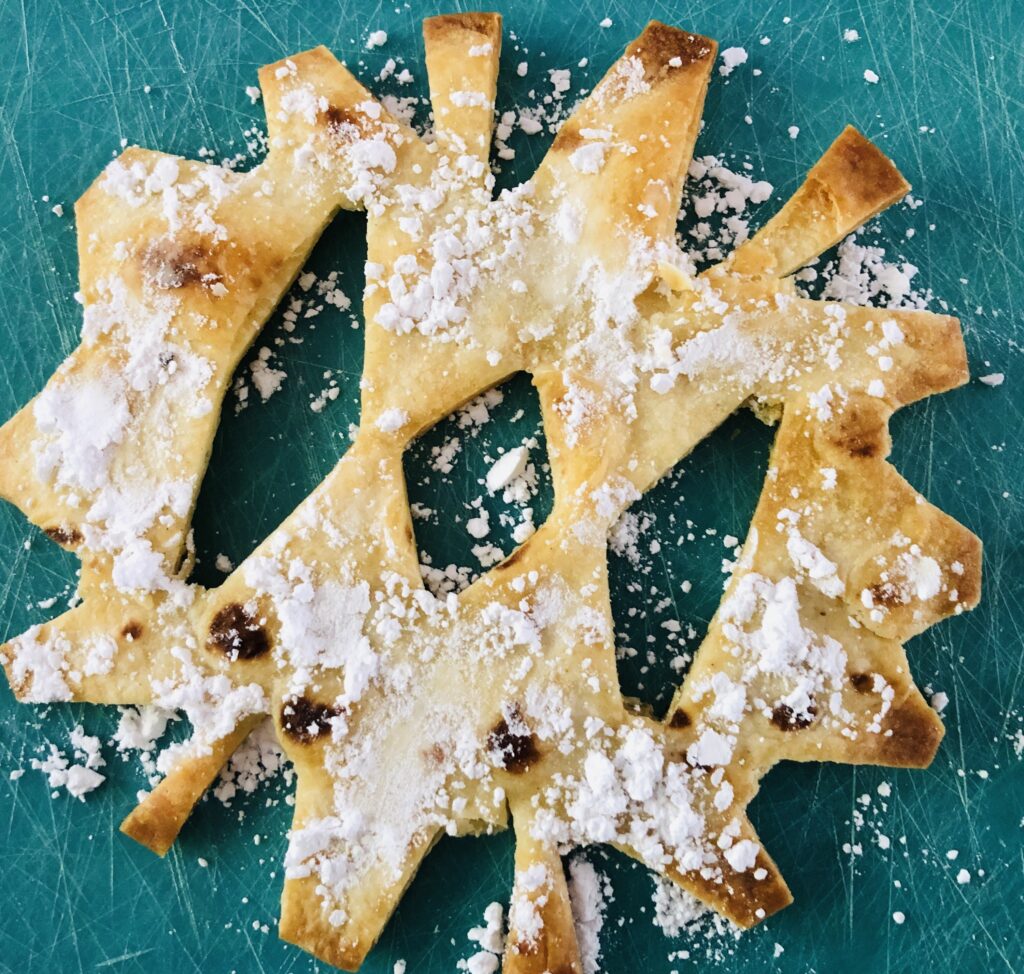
point(75, 895)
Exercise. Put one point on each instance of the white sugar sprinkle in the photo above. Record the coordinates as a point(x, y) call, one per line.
point(732, 57)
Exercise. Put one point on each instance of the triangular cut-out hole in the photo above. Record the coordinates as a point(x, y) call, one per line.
point(668, 553)
point(416, 928)
point(797, 813)
point(286, 419)
point(43, 577)
point(479, 483)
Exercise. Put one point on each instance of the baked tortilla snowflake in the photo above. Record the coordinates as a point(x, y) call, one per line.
point(408, 715)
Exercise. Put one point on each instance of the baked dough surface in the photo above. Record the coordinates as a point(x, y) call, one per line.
point(405, 715)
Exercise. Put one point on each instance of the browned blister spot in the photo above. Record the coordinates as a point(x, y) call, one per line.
point(680, 719)
point(338, 117)
point(304, 720)
point(862, 682)
point(132, 630)
point(237, 634)
point(345, 125)
point(516, 750)
point(64, 535)
point(568, 138)
point(886, 594)
point(696, 765)
point(860, 432)
point(170, 265)
point(435, 754)
point(863, 443)
point(787, 719)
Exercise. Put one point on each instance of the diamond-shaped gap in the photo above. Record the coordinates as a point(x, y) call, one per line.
point(668, 553)
point(466, 517)
point(269, 454)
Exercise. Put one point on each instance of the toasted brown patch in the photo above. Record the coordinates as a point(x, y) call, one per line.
point(862, 682)
point(435, 754)
point(515, 750)
point(170, 265)
point(568, 138)
point(748, 894)
point(680, 719)
point(886, 594)
point(337, 117)
point(480, 23)
point(968, 582)
point(916, 734)
point(659, 44)
point(865, 171)
point(740, 896)
point(861, 432)
point(132, 630)
point(237, 634)
point(786, 719)
point(304, 720)
point(63, 535)
point(689, 762)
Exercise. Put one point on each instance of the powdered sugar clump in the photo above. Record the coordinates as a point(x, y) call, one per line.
point(861, 275)
point(259, 759)
point(732, 58)
point(588, 891)
point(507, 468)
point(491, 939)
point(678, 913)
point(719, 198)
point(392, 420)
point(79, 779)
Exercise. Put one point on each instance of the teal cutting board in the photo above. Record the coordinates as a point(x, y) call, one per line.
point(79, 78)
